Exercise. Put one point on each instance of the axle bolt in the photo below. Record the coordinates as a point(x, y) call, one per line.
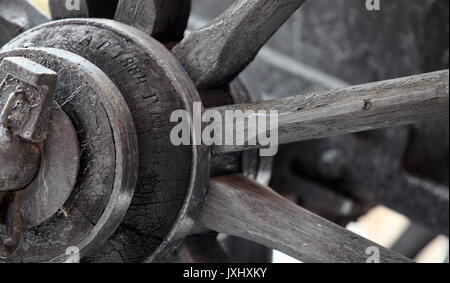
point(19, 161)
point(26, 95)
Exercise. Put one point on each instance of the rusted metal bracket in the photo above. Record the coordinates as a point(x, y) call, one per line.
point(26, 95)
point(26, 110)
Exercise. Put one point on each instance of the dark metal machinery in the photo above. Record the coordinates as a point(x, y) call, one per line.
point(86, 158)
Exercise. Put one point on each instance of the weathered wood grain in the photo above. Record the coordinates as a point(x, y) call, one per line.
point(166, 20)
point(240, 207)
point(214, 55)
point(355, 109)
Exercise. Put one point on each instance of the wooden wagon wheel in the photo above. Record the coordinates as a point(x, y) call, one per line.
point(174, 197)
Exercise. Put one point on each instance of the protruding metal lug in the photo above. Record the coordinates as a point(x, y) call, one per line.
point(26, 95)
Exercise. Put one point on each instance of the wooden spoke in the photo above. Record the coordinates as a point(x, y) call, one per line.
point(125, 190)
point(214, 55)
point(360, 108)
point(238, 206)
point(166, 20)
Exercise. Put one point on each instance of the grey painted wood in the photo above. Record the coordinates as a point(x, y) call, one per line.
point(240, 207)
point(355, 109)
point(215, 54)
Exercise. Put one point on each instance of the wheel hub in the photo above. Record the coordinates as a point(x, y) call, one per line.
point(154, 85)
point(116, 91)
point(90, 208)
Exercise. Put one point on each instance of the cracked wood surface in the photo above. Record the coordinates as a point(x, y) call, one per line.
point(238, 206)
point(214, 55)
point(355, 109)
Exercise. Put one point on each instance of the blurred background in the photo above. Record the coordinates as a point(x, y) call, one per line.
point(331, 44)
